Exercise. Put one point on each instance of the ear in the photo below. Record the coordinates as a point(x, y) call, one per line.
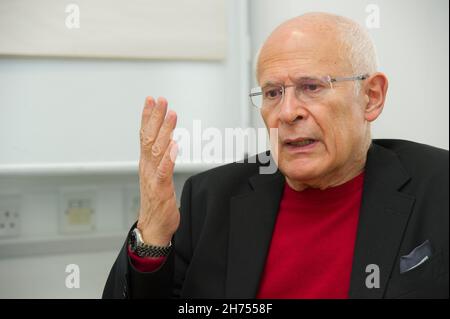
point(375, 89)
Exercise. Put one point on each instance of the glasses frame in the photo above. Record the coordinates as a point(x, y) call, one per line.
point(330, 80)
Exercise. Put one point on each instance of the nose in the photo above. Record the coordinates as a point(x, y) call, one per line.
point(291, 108)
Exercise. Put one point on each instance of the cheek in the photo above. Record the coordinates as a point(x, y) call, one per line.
point(269, 118)
point(265, 117)
point(336, 122)
point(349, 136)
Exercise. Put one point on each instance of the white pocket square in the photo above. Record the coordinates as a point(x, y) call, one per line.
point(416, 257)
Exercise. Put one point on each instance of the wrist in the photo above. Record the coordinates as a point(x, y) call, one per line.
point(151, 238)
point(143, 249)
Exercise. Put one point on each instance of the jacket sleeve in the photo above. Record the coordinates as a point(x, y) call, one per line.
point(125, 281)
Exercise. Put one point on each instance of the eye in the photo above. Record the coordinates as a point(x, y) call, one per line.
point(272, 93)
point(311, 87)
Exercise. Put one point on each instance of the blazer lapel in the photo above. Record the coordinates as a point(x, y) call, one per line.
point(252, 220)
point(383, 218)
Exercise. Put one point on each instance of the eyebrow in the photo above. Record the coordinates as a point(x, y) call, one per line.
point(271, 83)
point(296, 80)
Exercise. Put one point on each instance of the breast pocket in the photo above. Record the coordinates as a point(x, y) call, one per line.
point(422, 277)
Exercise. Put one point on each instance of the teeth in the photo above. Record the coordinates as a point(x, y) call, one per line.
point(302, 143)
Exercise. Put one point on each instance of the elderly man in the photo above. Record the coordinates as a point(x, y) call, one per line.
point(344, 216)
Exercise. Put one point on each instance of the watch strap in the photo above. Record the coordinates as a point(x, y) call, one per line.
point(145, 250)
point(142, 249)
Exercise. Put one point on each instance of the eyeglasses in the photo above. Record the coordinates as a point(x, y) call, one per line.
point(307, 90)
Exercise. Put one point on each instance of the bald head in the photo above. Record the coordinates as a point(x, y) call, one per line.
point(331, 38)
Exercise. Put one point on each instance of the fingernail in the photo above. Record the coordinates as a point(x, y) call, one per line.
point(161, 101)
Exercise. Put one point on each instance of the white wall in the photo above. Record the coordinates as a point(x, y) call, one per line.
point(60, 110)
point(88, 110)
point(57, 110)
point(413, 48)
point(44, 276)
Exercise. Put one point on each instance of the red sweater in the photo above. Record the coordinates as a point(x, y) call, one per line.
point(312, 246)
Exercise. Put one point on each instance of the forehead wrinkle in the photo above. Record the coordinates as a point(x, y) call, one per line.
point(310, 57)
point(279, 70)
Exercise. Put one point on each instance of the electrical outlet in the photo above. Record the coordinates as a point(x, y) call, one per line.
point(9, 215)
point(77, 210)
point(132, 202)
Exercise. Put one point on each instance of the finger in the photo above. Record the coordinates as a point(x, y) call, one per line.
point(145, 117)
point(147, 110)
point(163, 139)
point(165, 168)
point(152, 127)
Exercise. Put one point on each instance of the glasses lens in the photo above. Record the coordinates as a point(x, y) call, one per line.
point(256, 96)
point(311, 88)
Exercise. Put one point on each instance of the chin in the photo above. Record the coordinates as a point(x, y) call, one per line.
point(301, 169)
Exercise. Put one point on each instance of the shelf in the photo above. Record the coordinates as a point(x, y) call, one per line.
point(14, 247)
point(89, 168)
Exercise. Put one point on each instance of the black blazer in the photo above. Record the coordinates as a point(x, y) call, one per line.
point(228, 215)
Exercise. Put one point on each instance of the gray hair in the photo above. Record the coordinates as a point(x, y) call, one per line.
point(358, 46)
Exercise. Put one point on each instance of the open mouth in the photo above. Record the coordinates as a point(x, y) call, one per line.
point(301, 143)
